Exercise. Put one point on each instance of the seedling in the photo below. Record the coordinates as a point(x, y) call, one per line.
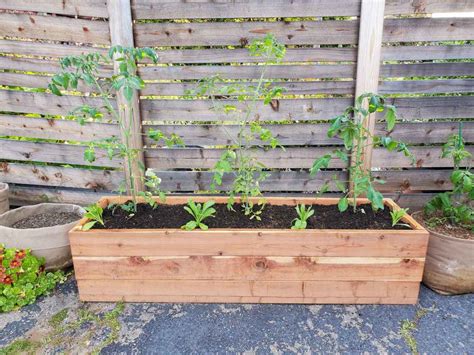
point(94, 214)
point(303, 216)
point(455, 206)
point(199, 212)
point(397, 215)
point(238, 159)
point(355, 136)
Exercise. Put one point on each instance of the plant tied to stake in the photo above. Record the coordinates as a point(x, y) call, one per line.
point(238, 159)
point(350, 128)
point(86, 69)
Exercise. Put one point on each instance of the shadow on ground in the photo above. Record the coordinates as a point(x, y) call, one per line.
point(59, 322)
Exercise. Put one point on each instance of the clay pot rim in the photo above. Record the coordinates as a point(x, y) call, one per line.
point(441, 235)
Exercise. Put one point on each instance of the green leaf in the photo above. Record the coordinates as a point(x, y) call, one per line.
point(191, 225)
point(391, 117)
point(128, 93)
point(88, 225)
point(54, 89)
point(89, 155)
point(343, 204)
point(321, 163)
point(203, 226)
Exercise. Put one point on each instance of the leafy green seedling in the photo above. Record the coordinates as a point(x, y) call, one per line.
point(397, 215)
point(239, 159)
point(199, 212)
point(350, 129)
point(455, 207)
point(94, 213)
point(303, 216)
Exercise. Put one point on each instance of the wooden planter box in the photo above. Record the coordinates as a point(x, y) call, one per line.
point(250, 266)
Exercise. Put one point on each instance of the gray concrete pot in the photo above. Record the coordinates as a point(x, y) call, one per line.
point(449, 266)
point(4, 204)
point(52, 243)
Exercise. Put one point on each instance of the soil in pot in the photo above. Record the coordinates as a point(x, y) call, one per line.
point(46, 220)
point(444, 228)
point(273, 217)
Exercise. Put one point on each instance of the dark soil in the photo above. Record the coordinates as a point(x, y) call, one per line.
point(46, 220)
point(277, 217)
point(444, 228)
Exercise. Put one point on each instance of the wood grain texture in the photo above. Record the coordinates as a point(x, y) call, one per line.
point(17, 125)
point(306, 134)
point(52, 153)
point(54, 28)
point(367, 77)
point(48, 104)
point(92, 8)
point(331, 292)
point(45, 49)
point(30, 174)
point(121, 33)
point(149, 9)
point(299, 32)
point(305, 109)
point(248, 71)
point(236, 33)
point(248, 268)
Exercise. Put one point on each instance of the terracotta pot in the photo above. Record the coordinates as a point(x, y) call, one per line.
point(449, 267)
point(4, 204)
point(52, 243)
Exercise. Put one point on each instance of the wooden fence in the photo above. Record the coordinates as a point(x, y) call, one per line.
point(426, 69)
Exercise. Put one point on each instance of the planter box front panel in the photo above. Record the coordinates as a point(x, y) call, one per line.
point(251, 266)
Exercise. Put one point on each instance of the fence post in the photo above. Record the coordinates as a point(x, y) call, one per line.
point(368, 62)
point(121, 33)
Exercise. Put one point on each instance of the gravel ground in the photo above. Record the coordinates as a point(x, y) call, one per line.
point(60, 323)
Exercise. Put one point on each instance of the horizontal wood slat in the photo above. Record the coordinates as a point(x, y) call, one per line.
point(157, 291)
point(403, 181)
point(48, 104)
point(248, 268)
point(52, 153)
point(428, 29)
point(54, 28)
point(313, 134)
point(291, 88)
point(238, 33)
point(28, 194)
point(93, 8)
point(60, 177)
point(299, 32)
point(44, 49)
point(305, 109)
point(11, 125)
point(248, 72)
point(149, 9)
point(304, 88)
point(249, 243)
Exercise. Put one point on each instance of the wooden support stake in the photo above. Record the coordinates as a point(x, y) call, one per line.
point(368, 62)
point(121, 33)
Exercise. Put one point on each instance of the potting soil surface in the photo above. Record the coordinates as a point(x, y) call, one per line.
point(46, 220)
point(278, 217)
